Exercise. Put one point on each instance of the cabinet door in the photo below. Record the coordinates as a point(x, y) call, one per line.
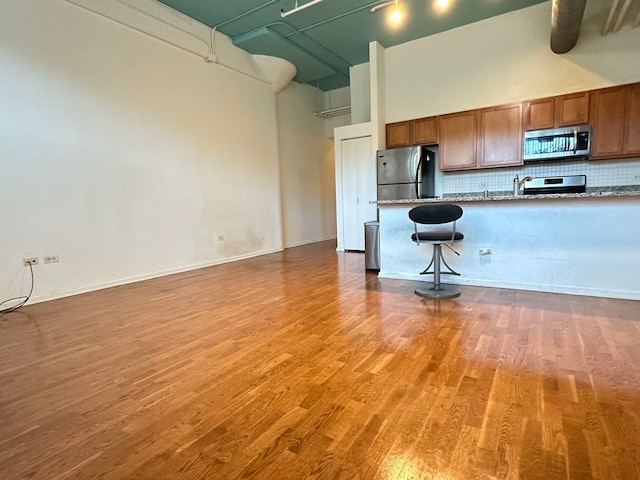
point(501, 136)
point(539, 114)
point(632, 121)
point(398, 134)
point(358, 189)
point(425, 131)
point(607, 119)
point(572, 109)
point(458, 141)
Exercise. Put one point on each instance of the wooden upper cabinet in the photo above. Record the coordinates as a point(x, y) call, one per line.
point(607, 119)
point(500, 139)
point(458, 141)
point(615, 118)
point(632, 121)
point(493, 137)
point(425, 131)
point(399, 134)
point(562, 111)
point(539, 114)
point(572, 109)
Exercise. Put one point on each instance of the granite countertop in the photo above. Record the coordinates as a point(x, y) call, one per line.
point(593, 192)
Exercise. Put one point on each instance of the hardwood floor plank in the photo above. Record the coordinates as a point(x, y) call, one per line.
point(300, 365)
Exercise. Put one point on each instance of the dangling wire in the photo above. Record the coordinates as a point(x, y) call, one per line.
point(23, 300)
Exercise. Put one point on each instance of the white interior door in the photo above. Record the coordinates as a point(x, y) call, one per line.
point(366, 187)
point(358, 188)
point(350, 193)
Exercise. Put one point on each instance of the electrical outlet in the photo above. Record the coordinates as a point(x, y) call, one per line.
point(220, 238)
point(484, 251)
point(30, 261)
point(51, 259)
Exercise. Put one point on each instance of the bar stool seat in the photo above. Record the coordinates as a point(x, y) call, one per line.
point(443, 217)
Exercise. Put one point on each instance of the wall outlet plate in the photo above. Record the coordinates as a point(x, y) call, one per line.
point(51, 259)
point(30, 261)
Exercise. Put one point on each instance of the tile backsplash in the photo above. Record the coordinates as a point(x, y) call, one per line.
point(602, 173)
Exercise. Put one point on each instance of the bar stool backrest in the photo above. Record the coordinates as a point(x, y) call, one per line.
point(435, 214)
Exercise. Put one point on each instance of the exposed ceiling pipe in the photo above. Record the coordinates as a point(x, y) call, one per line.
point(623, 13)
point(210, 50)
point(380, 6)
point(566, 19)
point(294, 31)
point(612, 27)
point(301, 47)
point(248, 12)
point(370, 6)
point(612, 13)
point(209, 57)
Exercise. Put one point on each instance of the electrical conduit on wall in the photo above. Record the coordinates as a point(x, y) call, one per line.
point(162, 23)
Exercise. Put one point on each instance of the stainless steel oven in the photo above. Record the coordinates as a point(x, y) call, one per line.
point(564, 184)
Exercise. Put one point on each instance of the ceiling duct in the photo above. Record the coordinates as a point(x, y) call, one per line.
point(279, 72)
point(566, 19)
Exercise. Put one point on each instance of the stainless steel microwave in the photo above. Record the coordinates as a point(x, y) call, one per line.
point(568, 143)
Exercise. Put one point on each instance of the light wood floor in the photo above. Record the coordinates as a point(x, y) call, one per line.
point(300, 365)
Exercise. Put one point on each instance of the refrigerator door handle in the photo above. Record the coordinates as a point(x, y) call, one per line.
point(418, 172)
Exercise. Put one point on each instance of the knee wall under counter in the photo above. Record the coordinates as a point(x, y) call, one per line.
point(586, 246)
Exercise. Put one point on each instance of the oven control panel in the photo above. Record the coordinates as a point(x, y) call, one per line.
point(563, 184)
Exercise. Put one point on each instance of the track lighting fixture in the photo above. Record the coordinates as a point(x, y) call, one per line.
point(380, 6)
point(297, 8)
point(396, 13)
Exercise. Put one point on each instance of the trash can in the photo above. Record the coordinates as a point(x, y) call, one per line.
point(372, 245)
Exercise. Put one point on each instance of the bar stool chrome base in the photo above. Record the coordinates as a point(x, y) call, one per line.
point(438, 291)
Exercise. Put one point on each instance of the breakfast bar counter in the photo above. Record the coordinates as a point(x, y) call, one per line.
point(596, 192)
point(584, 243)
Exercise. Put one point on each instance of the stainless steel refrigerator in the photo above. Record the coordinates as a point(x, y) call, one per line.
point(406, 173)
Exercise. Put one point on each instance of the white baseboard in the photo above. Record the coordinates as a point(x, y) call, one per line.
point(565, 289)
point(147, 276)
point(307, 242)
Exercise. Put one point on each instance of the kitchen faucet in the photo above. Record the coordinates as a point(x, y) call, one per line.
point(517, 183)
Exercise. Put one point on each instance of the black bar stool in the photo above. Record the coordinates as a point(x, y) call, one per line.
point(439, 214)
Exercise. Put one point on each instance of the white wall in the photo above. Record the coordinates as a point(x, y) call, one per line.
point(378, 95)
point(307, 168)
point(360, 84)
point(125, 156)
point(505, 59)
